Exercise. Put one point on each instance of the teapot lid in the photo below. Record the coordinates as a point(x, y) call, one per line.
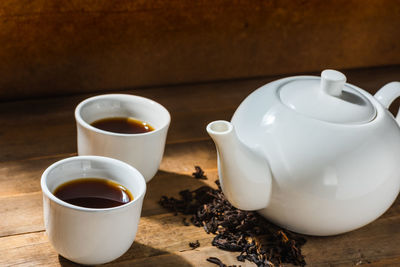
point(328, 98)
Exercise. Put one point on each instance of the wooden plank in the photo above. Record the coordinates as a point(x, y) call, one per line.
point(187, 258)
point(53, 48)
point(157, 235)
point(23, 176)
point(388, 262)
point(20, 193)
point(374, 242)
point(23, 213)
point(20, 198)
point(30, 128)
point(164, 238)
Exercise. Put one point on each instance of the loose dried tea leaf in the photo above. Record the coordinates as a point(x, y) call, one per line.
point(199, 173)
point(185, 223)
point(194, 245)
point(218, 262)
point(246, 232)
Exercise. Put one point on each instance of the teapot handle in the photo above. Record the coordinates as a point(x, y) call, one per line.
point(387, 94)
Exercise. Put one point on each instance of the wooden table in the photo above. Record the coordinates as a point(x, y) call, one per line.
point(37, 132)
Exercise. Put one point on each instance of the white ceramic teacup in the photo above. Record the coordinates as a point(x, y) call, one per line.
point(143, 151)
point(87, 235)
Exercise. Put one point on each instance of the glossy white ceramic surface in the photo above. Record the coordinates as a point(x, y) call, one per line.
point(85, 235)
point(143, 151)
point(252, 166)
point(307, 95)
point(327, 177)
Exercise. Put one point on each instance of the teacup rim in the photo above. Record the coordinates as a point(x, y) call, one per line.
point(51, 196)
point(83, 123)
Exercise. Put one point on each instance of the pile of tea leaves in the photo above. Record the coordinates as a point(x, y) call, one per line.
point(246, 232)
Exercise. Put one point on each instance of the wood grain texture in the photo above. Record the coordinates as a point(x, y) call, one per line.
point(161, 234)
point(23, 176)
point(58, 47)
point(163, 238)
point(27, 126)
point(21, 197)
point(47, 134)
point(21, 206)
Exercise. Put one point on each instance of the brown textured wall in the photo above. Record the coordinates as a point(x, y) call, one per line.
point(61, 47)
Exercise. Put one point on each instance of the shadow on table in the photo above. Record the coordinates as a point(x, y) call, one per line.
point(168, 184)
point(148, 257)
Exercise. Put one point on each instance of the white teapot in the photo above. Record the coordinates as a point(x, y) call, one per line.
point(315, 155)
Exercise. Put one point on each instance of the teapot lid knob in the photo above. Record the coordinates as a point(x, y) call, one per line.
point(332, 82)
point(328, 98)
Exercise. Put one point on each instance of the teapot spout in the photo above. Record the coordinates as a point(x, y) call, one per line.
point(244, 174)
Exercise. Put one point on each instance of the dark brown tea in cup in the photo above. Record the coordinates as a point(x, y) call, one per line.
point(122, 125)
point(94, 193)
